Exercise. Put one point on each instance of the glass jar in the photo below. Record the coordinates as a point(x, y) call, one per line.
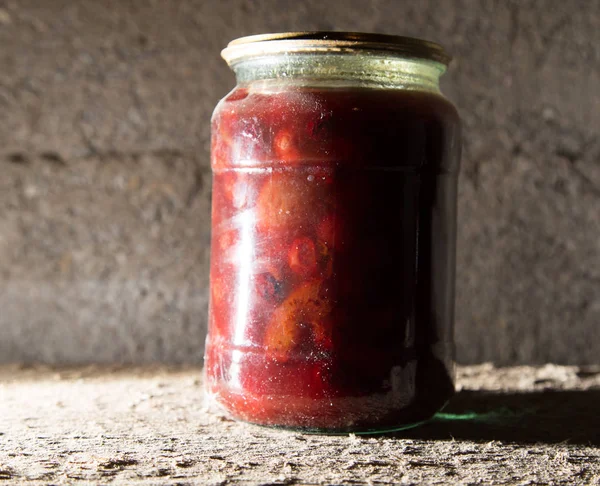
point(335, 164)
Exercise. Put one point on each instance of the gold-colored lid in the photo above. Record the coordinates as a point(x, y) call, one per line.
point(352, 42)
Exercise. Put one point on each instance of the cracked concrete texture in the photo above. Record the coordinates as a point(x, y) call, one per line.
point(147, 425)
point(105, 187)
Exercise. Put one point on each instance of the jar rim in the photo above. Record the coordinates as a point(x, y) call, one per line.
point(333, 42)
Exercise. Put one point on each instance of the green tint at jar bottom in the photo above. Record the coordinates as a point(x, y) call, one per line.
point(357, 432)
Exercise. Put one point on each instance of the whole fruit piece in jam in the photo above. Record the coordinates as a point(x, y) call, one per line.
point(286, 203)
point(302, 257)
point(285, 146)
point(305, 309)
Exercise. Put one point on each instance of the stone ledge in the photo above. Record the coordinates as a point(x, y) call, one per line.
point(147, 426)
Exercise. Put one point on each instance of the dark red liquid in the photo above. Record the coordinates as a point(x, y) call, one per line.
point(332, 272)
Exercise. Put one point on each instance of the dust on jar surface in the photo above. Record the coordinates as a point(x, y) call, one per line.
point(333, 230)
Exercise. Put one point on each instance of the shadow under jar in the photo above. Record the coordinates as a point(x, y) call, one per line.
point(335, 164)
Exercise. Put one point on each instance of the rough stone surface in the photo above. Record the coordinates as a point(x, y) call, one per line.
point(104, 128)
point(148, 426)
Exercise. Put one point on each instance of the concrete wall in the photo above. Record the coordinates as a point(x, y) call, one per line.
point(105, 185)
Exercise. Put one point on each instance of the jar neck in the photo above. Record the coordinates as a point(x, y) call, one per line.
point(341, 70)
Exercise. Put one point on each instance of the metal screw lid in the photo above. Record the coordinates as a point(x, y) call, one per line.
point(335, 42)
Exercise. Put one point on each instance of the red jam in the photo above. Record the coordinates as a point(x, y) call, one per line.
point(332, 272)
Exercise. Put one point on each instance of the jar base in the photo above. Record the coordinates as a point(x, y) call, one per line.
point(341, 432)
point(213, 406)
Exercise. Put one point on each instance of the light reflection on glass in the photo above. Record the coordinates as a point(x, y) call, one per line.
point(234, 369)
point(245, 254)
